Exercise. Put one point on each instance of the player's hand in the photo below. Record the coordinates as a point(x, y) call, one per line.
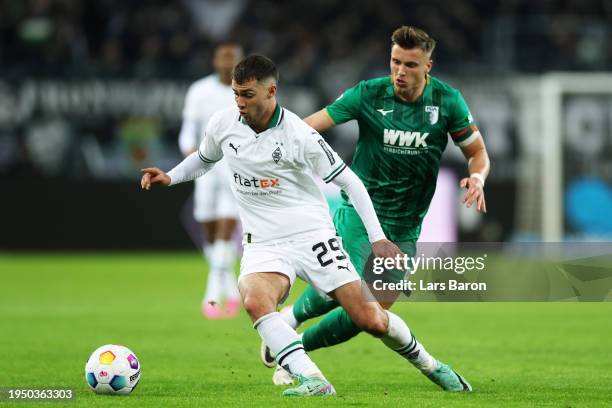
point(474, 194)
point(152, 175)
point(384, 248)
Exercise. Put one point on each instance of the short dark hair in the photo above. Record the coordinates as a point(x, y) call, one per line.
point(409, 37)
point(257, 67)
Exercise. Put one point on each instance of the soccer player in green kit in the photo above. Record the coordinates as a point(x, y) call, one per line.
point(404, 122)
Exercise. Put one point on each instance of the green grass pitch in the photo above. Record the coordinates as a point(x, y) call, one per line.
point(55, 309)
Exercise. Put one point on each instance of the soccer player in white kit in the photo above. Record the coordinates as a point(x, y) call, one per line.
point(288, 231)
point(214, 206)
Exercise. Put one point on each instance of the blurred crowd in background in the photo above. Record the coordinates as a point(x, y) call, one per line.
point(306, 37)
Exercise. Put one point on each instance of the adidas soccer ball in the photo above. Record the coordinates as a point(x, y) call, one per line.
point(112, 369)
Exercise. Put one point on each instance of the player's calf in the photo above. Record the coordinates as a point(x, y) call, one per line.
point(371, 319)
point(368, 316)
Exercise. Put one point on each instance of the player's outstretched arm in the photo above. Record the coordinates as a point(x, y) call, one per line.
point(189, 169)
point(320, 121)
point(478, 166)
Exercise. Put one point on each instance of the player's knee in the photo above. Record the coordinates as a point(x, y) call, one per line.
point(372, 322)
point(257, 306)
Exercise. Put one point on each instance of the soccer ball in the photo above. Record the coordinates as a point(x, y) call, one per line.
point(112, 369)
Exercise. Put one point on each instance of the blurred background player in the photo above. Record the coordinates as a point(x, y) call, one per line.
point(214, 206)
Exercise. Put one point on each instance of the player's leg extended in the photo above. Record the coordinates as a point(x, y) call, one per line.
point(395, 334)
point(336, 327)
point(261, 292)
point(309, 305)
point(355, 241)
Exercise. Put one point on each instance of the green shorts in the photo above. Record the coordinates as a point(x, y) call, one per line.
point(356, 243)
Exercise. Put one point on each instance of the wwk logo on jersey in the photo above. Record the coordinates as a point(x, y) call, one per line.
point(404, 142)
point(255, 182)
point(401, 138)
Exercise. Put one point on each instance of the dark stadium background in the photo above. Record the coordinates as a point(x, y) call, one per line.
point(91, 91)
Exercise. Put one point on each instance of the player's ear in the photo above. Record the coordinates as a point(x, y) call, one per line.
point(272, 90)
point(429, 65)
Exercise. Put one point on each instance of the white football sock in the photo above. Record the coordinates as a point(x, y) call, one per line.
point(286, 345)
point(215, 283)
point(230, 285)
point(214, 287)
point(225, 258)
point(402, 341)
point(207, 251)
point(289, 318)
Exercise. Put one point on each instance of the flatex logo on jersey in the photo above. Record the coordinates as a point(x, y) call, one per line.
point(257, 186)
point(404, 142)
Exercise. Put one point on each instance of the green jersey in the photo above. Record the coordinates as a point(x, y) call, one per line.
point(400, 146)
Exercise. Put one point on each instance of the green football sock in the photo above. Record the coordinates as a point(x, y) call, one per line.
point(312, 304)
point(336, 327)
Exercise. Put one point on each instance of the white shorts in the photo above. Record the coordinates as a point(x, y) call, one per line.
point(213, 198)
point(316, 257)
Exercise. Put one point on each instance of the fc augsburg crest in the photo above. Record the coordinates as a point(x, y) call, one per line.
point(434, 112)
point(276, 155)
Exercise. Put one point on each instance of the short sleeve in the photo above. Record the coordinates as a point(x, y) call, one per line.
point(461, 125)
point(210, 151)
point(321, 158)
point(347, 106)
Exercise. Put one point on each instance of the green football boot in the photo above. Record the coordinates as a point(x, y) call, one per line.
point(310, 387)
point(448, 379)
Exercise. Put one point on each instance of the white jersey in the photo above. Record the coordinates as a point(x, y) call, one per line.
point(272, 172)
point(204, 97)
